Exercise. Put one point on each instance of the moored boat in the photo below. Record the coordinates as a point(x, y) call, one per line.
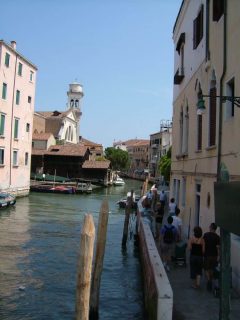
point(123, 202)
point(118, 181)
point(53, 189)
point(7, 199)
point(84, 187)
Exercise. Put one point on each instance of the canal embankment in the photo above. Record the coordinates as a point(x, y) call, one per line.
point(158, 293)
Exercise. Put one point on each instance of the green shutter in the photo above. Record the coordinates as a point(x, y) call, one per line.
point(7, 59)
point(16, 128)
point(4, 91)
point(19, 69)
point(17, 97)
point(2, 124)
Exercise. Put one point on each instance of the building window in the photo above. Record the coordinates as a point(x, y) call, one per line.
point(7, 59)
point(26, 158)
point(218, 7)
point(1, 156)
point(29, 99)
point(16, 128)
point(199, 132)
point(17, 97)
point(15, 157)
point(185, 123)
point(198, 28)
point(4, 91)
point(31, 76)
point(20, 69)
point(212, 116)
point(176, 188)
point(229, 107)
point(28, 127)
point(183, 192)
point(2, 124)
point(181, 132)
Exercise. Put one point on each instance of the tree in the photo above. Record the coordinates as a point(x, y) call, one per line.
point(165, 165)
point(119, 158)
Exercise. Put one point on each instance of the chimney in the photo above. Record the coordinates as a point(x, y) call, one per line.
point(13, 44)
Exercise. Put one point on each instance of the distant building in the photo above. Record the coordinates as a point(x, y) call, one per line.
point(17, 81)
point(120, 145)
point(96, 149)
point(61, 160)
point(138, 151)
point(56, 141)
point(42, 141)
point(160, 143)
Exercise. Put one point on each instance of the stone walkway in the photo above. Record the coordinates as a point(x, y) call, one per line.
point(196, 304)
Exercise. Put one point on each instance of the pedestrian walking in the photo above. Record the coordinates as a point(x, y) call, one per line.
point(168, 240)
point(177, 223)
point(159, 218)
point(172, 207)
point(196, 246)
point(163, 199)
point(211, 255)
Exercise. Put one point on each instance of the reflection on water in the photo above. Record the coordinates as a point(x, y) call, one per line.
point(39, 242)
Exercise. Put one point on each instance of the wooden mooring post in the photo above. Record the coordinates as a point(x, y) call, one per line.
point(99, 256)
point(85, 268)
point(128, 210)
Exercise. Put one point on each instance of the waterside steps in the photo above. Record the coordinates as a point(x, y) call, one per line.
point(158, 292)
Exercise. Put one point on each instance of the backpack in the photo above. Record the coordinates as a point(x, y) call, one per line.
point(168, 236)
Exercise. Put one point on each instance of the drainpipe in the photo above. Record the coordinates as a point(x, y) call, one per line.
point(12, 122)
point(207, 53)
point(225, 242)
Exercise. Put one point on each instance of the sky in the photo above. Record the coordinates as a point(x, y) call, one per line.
point(121, 51)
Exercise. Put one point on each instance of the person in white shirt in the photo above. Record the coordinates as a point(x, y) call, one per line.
point(177, 223)
point(172, 207)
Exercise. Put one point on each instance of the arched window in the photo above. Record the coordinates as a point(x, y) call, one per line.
point(66, 134)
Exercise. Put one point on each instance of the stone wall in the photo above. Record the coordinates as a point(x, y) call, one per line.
point(158, 293)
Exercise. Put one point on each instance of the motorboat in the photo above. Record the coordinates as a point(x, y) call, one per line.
point(84, 187)
point(53, 189)
point(7, 199)
point(123, 202)
point(118, 181)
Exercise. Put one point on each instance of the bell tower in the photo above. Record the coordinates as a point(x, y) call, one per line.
point(75, 94)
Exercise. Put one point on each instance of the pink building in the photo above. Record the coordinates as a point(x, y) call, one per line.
point(17, 94)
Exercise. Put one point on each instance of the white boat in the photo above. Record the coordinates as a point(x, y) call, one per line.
point(118, 181)
point(84, 187)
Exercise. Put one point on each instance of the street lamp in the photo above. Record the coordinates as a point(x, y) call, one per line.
point(201, 103)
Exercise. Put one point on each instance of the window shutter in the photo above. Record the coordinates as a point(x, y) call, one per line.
point(218, 8)
point(195, 33)
point(199, 146)
point(2, 124)
point(212, 117)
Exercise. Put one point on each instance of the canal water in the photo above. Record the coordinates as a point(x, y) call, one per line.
point(39, 243)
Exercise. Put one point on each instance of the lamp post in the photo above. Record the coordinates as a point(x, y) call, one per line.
point(225, 245)
point(201, 103)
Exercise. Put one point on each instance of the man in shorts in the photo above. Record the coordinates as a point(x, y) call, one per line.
point(211, 256)
point(168, 240)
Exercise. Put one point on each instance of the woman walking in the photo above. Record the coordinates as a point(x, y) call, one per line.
point(196, 246)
